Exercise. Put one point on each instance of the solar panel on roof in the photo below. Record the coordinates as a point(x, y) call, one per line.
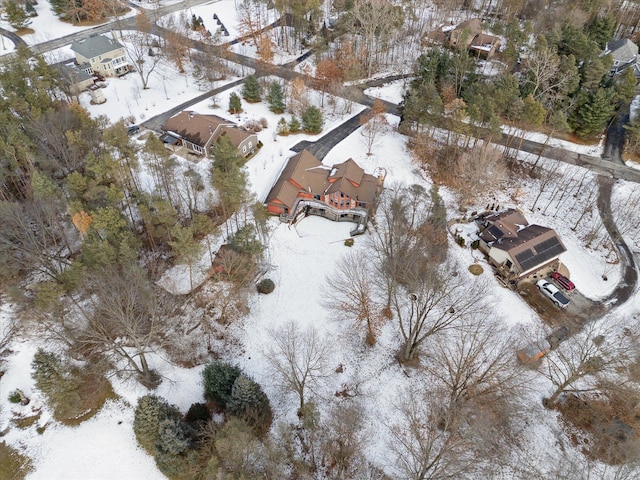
point(524, 256)
point(495, 231)
point(544, 251)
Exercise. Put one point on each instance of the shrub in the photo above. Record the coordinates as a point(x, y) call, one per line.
point(251, 90)
point(251, 404)
point(263, 122)
point(349, 242)
point(294, 125)
point(197, 413)
point(14, 397)
point(312, 120)
point(235, 104)
point(173, 437)
point(218, 378)
point(282, 128)
point(150, 412)
point(73, 393)
point(266, 286)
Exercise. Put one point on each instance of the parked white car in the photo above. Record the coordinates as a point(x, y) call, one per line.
point(550, 290)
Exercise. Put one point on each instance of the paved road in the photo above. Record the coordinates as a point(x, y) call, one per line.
point(14, 37)
point(615, 137)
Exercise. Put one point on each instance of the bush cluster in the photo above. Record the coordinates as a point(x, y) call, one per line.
point(266, 286)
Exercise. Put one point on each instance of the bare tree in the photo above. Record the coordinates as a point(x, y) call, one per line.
point(125, 320)
point(298, 358)
point(474, 364)
point(143, 56)
point(422, 443)
point(33, 236)
point(375, 125)
point(343, 441)
point(433, 302)
point(575, 366)
point(406, 237)
point(350, 292)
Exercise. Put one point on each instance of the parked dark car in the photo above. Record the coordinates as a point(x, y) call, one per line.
point(563, 281)
point(550, 290)
point(133, 129)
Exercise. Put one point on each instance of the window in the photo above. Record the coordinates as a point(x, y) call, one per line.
point(250, 144)
point(244, 149)
point(316, 197)
point(198, 148)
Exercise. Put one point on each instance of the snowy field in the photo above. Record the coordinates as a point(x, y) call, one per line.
point(302, 257)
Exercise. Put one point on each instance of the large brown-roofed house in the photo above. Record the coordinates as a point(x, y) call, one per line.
point(341, 192)
point(197, 133)
point(516, 248)
point(468, 34)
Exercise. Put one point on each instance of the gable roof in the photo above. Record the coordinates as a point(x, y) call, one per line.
point(95, 45)
point(473, 25)
point(528, 245)
point(503, 224)
point(303, 172)
point(623, 50)
point(348, 177)
point(198, 128)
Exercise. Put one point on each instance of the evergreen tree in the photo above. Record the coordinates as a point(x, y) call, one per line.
point(294, 125)
point(275, 97)
point(282, 127)
point(228, 176)
point(251, 91)
point(48, 372)
point(626, 86)
point(218, 379)
point(235, 104)
point(16, 15)
point(250, 403)
point(592, 113)
point(245, 240)
point(173, 437)
point(601, 30)
point(150, 412)
point(312, 120)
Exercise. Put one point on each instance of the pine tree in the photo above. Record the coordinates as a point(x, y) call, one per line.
point(173, 437)
point(250, 403)
point(150, 412)
point(235, 104)
point(294, 125)
point(282, 127)
point(592, 114)
point(312, 120)
point(275, 97)
point(16, 15)
point(218, 379)
point(48, 372)
point(251, 91)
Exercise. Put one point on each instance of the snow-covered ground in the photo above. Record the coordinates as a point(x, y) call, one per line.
point(302, 257)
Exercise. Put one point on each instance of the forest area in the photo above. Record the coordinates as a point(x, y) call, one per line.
point(91, 219)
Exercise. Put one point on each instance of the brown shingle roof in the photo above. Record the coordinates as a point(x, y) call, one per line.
point(348, 169)
point(198, 128)
point(305, 170)
point(305, 173)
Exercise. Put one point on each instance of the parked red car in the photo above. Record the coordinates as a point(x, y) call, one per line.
point(563, 281)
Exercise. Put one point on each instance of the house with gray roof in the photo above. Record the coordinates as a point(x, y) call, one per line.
point(624, 54)
point(101, 55)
